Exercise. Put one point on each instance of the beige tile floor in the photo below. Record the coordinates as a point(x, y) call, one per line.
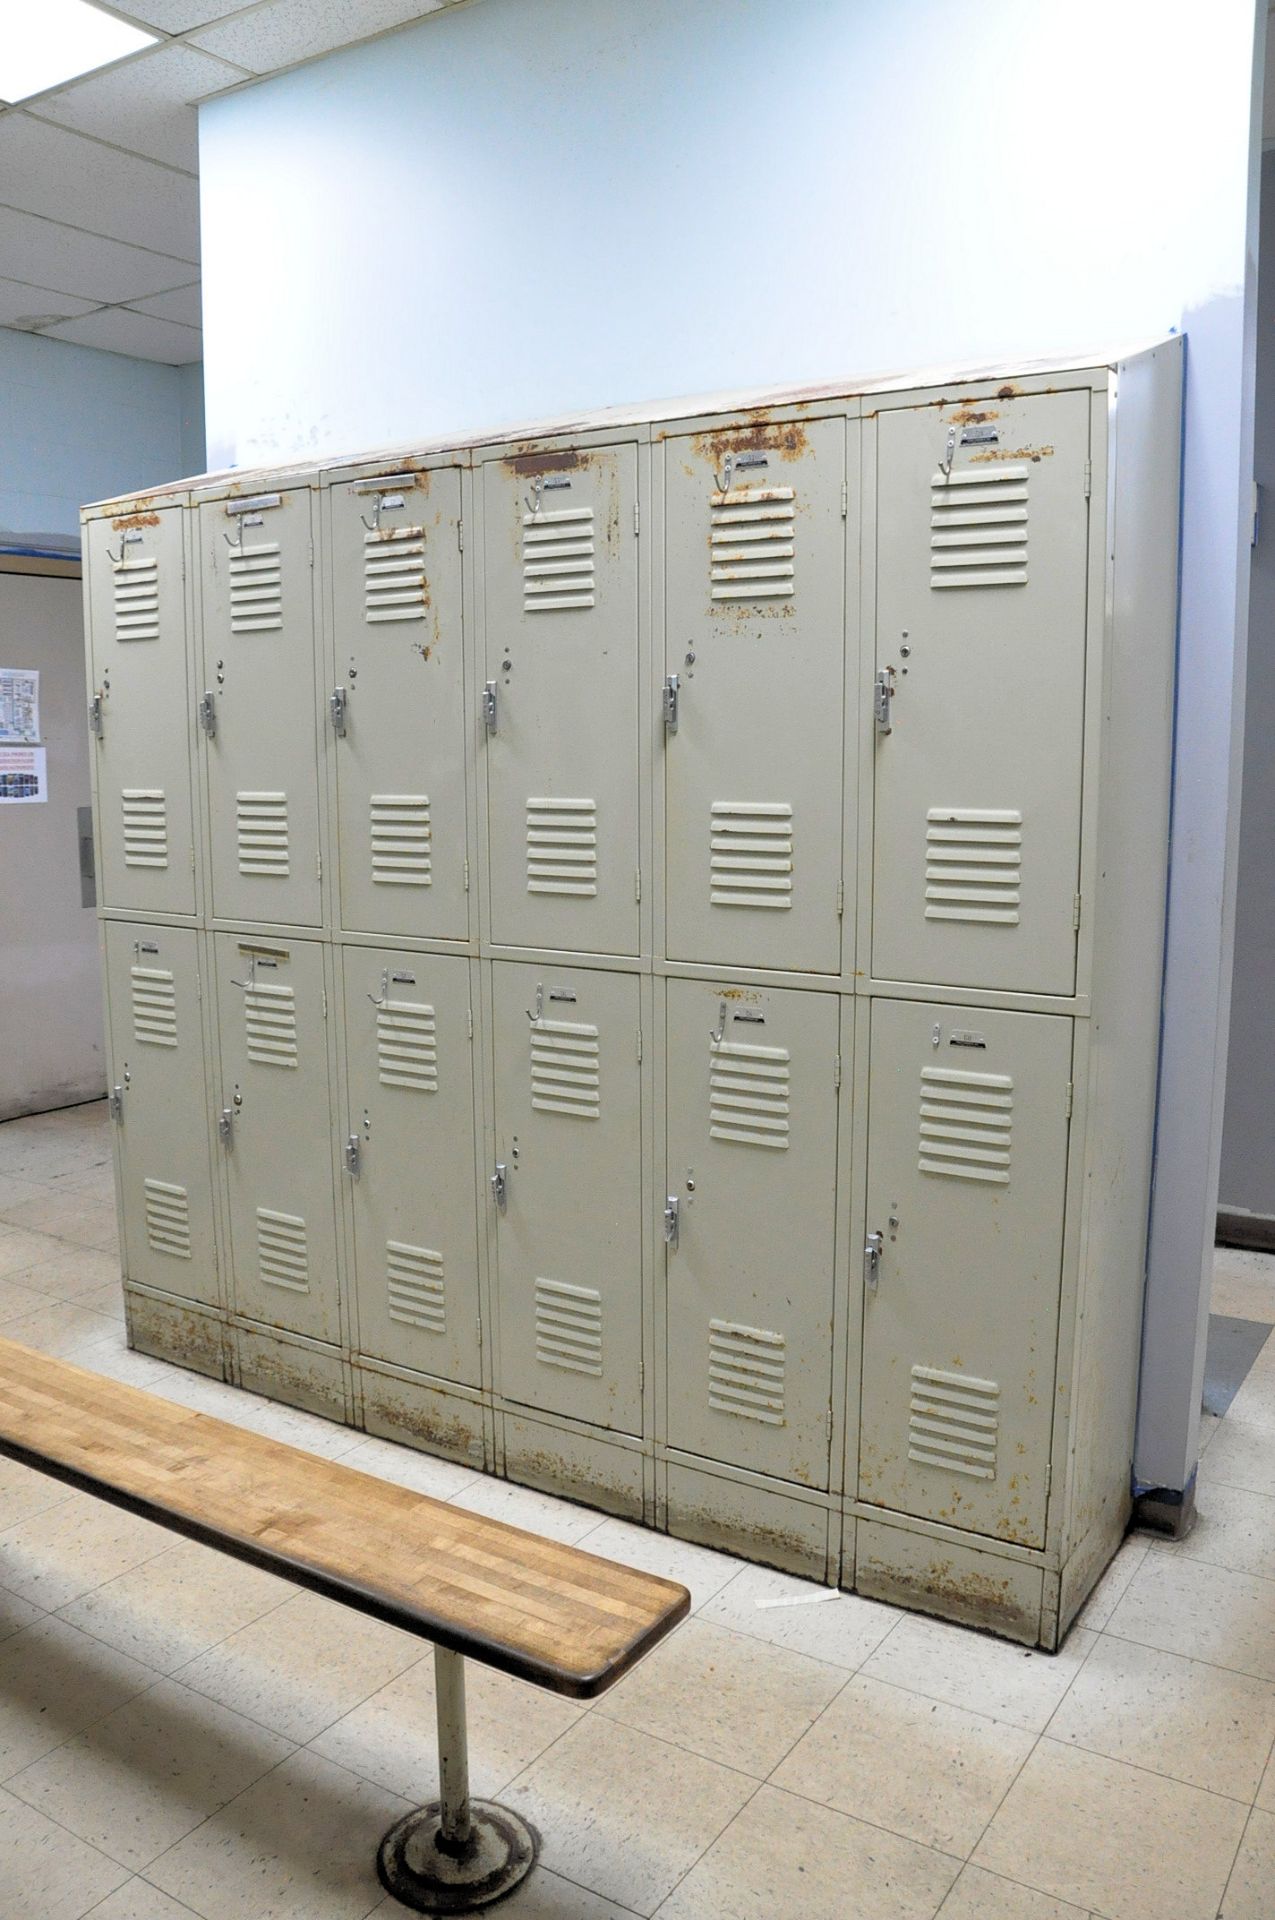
point(183, 1736)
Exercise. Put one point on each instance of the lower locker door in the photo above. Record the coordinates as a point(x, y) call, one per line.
point(752, 1145)
point(157, 1063)
point(967, 1165)
point(411, 1115)
point(569, 1235)
point(276, 1111)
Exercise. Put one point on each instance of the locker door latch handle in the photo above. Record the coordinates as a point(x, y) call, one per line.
point(671, 691)
point(208, 714)
point(336, 711)
point(672, 1221)
point(872, 1260)
point(225, 1126)
point(353, 1155)
point(499, 1185)
point(882, 696)
point(95, 715)
point(115, 1104)
point(489, 706)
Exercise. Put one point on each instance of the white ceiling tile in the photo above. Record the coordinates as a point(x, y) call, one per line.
point(285, 31)
point(175, 16)
point(117, 330)
point(182, 305)
point(145, 104)
point(18, 301)
point(49, 170)
point(51, 255)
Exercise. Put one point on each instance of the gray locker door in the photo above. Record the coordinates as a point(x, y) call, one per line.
point(144, 712)
point(394, 553)
point(981, 598)
point(275, 1092)
point(411, 1109)
point(755, 545)
point(569, 1236)
point(157, 1063)
point(259, 667)
point(561, 651)
point(752, 1146)
point(967, 1165)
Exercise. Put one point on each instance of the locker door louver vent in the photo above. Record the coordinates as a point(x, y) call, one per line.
point(751, 544)
point(751, 854)
point(748, 1094)
point(145, 812)
point(965, 1124)
point(973, 865)
point(137, 600)
point(568, 1327)
point(954, 1423)
point(406, 1046)
point(401, 835)
point(394, 575)
point(557, 560)
point(167, 1219)
point(262, 823)
point(414, 1285)
point(562, 846)
point(154, 1006)
point(978, 528)
point(256, 589)
point(565, 1074)
point(270, 1022)
point(746, 1368)
point(282, 1260)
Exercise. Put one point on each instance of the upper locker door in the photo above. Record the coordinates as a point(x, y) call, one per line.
point(399, 706)
point(411, 1113)
point(142, 712)
point(755, 551)
point(967, 1172)
point(569, 1205)
point(752, 1146)
point(561, 651)
point(259, 671)
point(981, 607)
point(277, 1132)
point(157, 1065)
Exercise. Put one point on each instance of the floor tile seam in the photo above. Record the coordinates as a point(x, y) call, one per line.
point(1235, 1861)
point(1009, 1880)
point(1219, 1566)
point(1150, 1773)
point(705, 1850)
point(150, 1883)
point(88, 1727)
point(60, 1613)
point(748, 1640)
point(180, 1674)
point(1217, 1666)
point(43, 1814)
point(975, 1713)
point(59, 1500)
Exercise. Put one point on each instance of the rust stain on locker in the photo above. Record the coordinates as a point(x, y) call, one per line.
point(565, 460)
point(786, 438)
point(135, 520)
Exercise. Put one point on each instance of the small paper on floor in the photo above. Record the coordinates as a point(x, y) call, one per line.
point(802, 1599)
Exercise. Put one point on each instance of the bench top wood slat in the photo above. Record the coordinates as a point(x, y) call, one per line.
point(548, 1613)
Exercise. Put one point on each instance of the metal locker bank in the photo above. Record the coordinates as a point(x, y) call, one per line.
point(633, 956)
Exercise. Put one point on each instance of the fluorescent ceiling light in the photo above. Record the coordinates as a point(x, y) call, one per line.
point(46, 42)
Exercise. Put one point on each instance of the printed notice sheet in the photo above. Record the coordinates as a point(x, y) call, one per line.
point(24, 776)
point(19, 705)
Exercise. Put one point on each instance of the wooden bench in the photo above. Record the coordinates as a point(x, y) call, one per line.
point(477, 1589)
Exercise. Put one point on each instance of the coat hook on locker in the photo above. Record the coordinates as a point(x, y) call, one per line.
point(251, 981)
point(532, 500)
point(379, 1000)
point(945, 464)
point(723, 478)
point(718, 1033)
point(374, 524)
point(540, 1003)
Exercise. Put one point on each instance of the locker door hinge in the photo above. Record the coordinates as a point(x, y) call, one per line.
point(460, 536)
point(115, 1104)
point(226, 1127)
point(642, 1376)
point(324, 996)
point(639, 1046)
point(336, 711)
point(841, 898)
point(637, 883)
point(95, 715)
point(836, 1073)
point(208, 714)
point(672, 1221)
point(466, 873)
point(670, 703)
point(478, 1327)
point(470, 1021)
point(353, 1155)
point(883, 693)
point(489, 706)
point(637, 520)
point(312, 554)
point(845, 498)
point(1049, 1478)
point(318, 866)
point(1088, 478)
point(500, 1184)
point(1075, 913)
point(1071, 1094)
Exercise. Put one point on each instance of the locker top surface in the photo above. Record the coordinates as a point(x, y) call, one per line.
point(639, 420)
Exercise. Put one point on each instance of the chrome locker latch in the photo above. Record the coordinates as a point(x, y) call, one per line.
point(672, 689)
point(115, 1104)
point(872, 1260)
point(499, 1185)
point(672, 1221)
point(95, 715)
point(336, 711)
point(353, 1155)
point(208, 714)
point(225, 1126)
point(489, 706)
point(883, 694)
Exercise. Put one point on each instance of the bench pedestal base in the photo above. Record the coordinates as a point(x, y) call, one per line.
point(419, 1869)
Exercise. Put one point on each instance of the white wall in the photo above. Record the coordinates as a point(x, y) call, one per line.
point(526, 206)
point(77, 424)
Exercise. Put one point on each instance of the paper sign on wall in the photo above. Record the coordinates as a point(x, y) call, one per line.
point(24, 776)
point(20, 705)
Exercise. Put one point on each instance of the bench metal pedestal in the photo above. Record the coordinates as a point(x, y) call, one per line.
point(456, 1854)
